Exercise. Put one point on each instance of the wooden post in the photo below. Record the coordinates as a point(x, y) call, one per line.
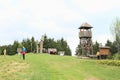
point(41, 44)
point(37, 46)
point(4, 51)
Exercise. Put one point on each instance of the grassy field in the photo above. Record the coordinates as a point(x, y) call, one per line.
point(53, 67)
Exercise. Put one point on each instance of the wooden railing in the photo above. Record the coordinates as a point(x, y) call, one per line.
point(85, 34)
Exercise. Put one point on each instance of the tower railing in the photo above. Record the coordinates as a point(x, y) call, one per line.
point(85, 34)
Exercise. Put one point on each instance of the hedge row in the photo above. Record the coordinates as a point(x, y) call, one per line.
point(109, 62)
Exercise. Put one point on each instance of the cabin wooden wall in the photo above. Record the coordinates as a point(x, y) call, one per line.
point(104, 51)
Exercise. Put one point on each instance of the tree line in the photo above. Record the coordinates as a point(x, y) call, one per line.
point(60, 45)
point(112, 45)
point(31, 45)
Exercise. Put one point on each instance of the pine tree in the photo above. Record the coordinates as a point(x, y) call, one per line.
point(95, 47)
point(14, 47)
point(65, 47)
point(115, 29)
point(33, 44)
point(27, 44)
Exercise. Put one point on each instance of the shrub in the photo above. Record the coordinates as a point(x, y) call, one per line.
point(116, 56)
point(109, 62)
point(110, 57)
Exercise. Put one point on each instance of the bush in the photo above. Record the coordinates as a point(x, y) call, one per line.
point(109, 62)
point(116, 56)
point(110, 57)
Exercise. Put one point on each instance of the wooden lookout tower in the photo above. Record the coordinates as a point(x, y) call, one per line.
point(85, 36)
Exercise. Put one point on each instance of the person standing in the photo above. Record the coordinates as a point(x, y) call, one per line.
point(23, 52)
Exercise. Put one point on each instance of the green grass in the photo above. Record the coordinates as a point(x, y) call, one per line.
point(54, 67)
point(13, 68)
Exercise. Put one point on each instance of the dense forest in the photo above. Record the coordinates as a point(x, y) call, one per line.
point(112, 45)
point(31, 44)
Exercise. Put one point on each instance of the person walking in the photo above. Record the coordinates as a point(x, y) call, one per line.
point(23, 52)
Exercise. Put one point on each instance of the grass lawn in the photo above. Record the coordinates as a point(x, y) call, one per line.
point(54, 67)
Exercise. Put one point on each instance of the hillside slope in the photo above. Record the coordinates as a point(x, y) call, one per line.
point(54, 67)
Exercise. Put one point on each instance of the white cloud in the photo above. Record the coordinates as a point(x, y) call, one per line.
point(73, 41)
point(6, 42)
point(36, 16)
point(96, 6)
point(102, 38)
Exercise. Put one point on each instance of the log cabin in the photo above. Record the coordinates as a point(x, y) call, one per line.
point(103, 52)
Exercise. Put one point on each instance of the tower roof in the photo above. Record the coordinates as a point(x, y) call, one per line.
point(85, 26)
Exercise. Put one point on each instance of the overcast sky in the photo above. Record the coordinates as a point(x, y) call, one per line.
point(56, 18)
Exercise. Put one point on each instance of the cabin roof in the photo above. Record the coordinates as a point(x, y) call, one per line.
point(106, 47)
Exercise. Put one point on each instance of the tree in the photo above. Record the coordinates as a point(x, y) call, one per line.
point(30, 45)
point(113, 47)
point(10, 50)
point(95, 47)
point(109, 43)
point(115, 30)
point(68, 51)
point(2, 48)
point(20, 45)
point(33, 44)
point(27, 44)
point(49, 42)
point(60, 45)
point(45, 44)
point(14, 47)
point(78, 50)
point(63, 46)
